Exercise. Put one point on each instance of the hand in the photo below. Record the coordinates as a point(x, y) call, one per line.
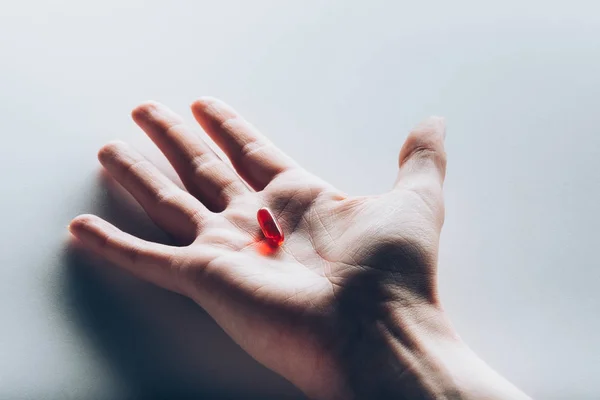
point(347, 307)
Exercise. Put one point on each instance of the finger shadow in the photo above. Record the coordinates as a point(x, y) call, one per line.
point(160, 344)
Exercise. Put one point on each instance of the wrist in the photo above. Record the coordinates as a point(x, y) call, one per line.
point(401, 354)
point(414, 353)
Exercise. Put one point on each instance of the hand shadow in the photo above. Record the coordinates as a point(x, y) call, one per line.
point(160, 344)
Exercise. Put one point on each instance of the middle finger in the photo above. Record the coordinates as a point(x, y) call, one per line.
point(201, 170)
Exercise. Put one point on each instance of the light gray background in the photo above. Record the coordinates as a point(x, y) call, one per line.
point(337, 84)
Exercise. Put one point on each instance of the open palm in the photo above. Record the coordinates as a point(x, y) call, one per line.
point(301, 307)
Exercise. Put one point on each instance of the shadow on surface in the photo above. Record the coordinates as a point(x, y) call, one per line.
point(160, 344)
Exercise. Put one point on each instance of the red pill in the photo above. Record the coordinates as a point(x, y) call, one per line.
point(269, 226)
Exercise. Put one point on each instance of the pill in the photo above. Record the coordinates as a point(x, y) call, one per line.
point(269, 226)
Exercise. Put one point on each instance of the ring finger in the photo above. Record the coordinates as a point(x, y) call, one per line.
point(171, 208)
point(201, 170)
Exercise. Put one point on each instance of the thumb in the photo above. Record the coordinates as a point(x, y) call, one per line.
point(423, 158)
point(423, 165)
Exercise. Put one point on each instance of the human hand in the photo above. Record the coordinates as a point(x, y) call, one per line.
point(346, 307)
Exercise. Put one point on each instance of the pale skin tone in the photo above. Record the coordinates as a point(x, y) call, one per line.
point(347, 307)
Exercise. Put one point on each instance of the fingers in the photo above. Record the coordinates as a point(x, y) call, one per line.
point(150, 261)
point(171, 208)
point(423, 158)
point(202, 172)
point(254, 157)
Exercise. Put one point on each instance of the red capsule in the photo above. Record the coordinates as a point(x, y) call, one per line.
point(269, 226)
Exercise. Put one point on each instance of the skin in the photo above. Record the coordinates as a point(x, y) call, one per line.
point(347, 307)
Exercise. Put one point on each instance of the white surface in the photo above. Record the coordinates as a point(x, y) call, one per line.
point(337, 84)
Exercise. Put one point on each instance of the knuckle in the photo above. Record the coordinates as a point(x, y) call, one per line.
point(232, 123)
point(252, 149)
point(204, 164)
point(132, 170)
point(166, 197)
point(174, 128)
point(423, 144)
point(422, 151)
